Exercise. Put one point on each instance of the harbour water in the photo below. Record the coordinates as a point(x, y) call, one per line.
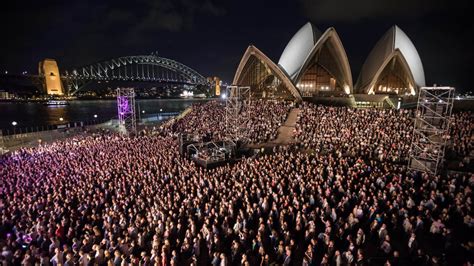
point(33, 115)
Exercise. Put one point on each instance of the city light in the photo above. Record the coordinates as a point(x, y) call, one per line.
point(161, 110)
point(14, 123)
point(143, 111)
point(95, 116)
point(61, 119)
point(224, 96)
point(187, 94)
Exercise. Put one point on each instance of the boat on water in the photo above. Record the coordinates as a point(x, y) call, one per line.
point(56, 102)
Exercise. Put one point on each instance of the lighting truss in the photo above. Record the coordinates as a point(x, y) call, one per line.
point(431, 128)
point(126, 110)
point(236, 118)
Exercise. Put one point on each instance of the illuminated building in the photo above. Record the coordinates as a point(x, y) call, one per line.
point(316, 64)
point(217, 81)
point(392, 67)
point(311, 64)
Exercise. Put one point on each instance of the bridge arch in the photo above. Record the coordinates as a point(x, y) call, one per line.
point(134, 68)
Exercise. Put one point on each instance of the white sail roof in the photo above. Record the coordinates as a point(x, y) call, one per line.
point(394, 39)
point(298, 48)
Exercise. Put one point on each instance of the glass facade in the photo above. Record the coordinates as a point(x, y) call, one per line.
point(264, 83)
point(324, 74)
point(394, 79)
point(316, 80)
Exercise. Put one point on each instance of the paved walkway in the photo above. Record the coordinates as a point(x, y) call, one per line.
point(285, 132)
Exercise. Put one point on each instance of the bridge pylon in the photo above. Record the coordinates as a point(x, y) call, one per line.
point(49, 70)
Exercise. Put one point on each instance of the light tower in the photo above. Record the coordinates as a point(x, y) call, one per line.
point(235, 117)
point(126, 110)
point(431, 128)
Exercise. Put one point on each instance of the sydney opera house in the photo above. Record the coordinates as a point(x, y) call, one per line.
point(315, 64)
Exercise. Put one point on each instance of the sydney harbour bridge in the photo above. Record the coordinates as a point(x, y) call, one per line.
point(140, 68)
point(121, 71)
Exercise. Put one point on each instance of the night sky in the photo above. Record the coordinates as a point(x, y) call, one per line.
point(211, 36)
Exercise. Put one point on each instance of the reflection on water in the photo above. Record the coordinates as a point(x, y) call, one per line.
point(58, 114)
point(37, 114)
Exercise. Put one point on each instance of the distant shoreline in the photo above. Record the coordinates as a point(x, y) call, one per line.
point(109, 99)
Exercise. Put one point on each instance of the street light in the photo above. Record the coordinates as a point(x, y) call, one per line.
point(61, 119)
point(161, 110)
point(95, 116)
point(143, 111)
point(14, 123)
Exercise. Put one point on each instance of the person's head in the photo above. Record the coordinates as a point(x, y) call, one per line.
point(360, 253)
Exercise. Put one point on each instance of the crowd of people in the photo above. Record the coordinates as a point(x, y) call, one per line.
point(373, 133)
point(203, 119)
point(106, 199)
point(264, 119)
point(382, 134)
point(462, 138)
point(260, 118)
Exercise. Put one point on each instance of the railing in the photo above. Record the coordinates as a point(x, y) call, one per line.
point(57, 132)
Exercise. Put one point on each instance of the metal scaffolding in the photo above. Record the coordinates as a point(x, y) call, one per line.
point(236, 118)
point(126, 110)
point(431, 128)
